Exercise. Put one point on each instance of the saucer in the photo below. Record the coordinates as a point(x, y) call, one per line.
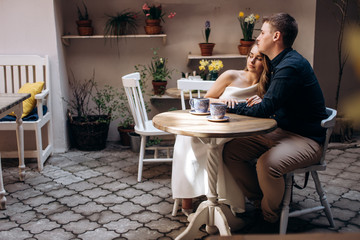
point(218, 120)
point(199, 113)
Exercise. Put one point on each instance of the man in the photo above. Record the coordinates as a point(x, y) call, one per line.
point(294, 99)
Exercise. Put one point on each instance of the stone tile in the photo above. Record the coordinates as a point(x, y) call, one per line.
point(104, 217)
point(345, 203)
point(119, 174)
point(145, 217)
point(56, 234)
point(129, 193)
point(352, 195)
point(95, 193)
point(146, 200)
point(122, 225)
point(65, 217)
point(62, 192)
point(81, 226)
point(23, 217)
point(142, 233)
point(89, 173)
point(68, 180)
point(11, 188)
point(40, 225)
point(164, 225)
point(74, 200)
point(6, 224)
point(163, 192)
point(100, 180)
point(25, 194)
point(114, 186)
point(81, 186)
point(126, 208)
point(38, 200)
point(164, 208)
point(147, 186)
point(88, 208)
point(75, 168)
point(15, 234)
point(51, 208)
point(110, 200)
point(104, 233)
point(343, 214)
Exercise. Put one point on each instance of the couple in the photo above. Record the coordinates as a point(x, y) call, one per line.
point(288, 92)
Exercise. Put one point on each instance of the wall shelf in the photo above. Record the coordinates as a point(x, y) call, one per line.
point(66, 38)
point(215, 56)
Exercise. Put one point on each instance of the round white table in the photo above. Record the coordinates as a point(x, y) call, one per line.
point(215, 215)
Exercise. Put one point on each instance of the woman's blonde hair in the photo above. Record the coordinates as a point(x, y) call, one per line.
point(264, 76)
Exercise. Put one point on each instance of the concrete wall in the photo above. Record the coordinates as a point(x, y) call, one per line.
point(28, 27)
point(184, 32)
point(42, 22)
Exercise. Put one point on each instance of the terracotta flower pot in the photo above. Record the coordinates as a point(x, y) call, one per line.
point(124, 135)
point(85, 28)
point(152, 26)
point(244, 47)
point(159, 87)
point(206, 48)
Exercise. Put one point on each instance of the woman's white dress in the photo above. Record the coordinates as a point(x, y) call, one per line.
point(189, 176)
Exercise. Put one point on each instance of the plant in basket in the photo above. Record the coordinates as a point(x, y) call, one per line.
point(90, 112)
point(207, 48)
point(153, 16)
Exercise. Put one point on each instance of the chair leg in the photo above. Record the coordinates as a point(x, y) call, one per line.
point(284, 218)
point(39, 149)
point(176, 207)
point(141, 157)
point(323, 198)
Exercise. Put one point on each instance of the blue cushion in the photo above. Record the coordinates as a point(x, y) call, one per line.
point(33, 116)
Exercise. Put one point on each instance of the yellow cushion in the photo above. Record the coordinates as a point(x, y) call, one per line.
point(30, 103)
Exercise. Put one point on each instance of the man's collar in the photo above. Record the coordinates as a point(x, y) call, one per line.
point(280, 56)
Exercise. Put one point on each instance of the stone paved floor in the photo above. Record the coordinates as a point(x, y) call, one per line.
point(95, 195)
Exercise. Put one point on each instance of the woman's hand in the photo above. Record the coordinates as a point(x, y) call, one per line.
point(230, 102)
point(251, 101)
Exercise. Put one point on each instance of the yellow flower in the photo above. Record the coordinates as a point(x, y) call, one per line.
point(201, 68)
point(211, 67)
point(257, 16)
point(241, 14)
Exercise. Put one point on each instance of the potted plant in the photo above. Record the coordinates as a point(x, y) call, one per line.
point(247, 24)
point(158, 71)
point(126, 124)
point(154, 15)
point(122, 23)
point(210, 70)
point(84, 23)
point(206, 47)
point(343, 129)
point(90, 112)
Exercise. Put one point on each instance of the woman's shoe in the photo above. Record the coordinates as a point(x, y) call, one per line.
point(186, 205)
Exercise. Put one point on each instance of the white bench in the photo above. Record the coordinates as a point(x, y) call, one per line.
point(15, 71)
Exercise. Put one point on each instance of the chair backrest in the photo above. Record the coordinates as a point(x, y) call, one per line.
point(329, 124)
point(131, 83)
point(16, 70)
point(191, 85)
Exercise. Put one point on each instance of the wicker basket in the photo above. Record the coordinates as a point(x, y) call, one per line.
point(90, 135)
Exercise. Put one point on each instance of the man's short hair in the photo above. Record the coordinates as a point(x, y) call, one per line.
point(286, 25)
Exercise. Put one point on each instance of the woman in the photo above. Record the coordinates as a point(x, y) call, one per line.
point(189, 178)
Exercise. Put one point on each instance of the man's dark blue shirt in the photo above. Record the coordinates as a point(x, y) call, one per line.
point(294, 97)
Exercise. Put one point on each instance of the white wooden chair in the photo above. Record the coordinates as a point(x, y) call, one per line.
point(186, 85)
point(329, 124)
point(16, 70)
point(143, 126)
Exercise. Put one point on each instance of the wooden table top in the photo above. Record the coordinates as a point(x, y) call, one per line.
point(182, 122)
point(9, 100)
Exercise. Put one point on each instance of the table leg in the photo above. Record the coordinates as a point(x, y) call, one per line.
point(215, 215)
point(2, 190)
point(20, 141)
